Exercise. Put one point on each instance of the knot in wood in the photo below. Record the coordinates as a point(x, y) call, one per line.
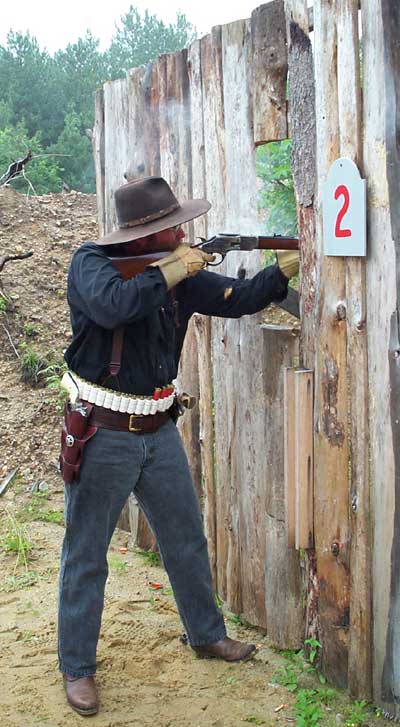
point(335, 549)
point(341, 312)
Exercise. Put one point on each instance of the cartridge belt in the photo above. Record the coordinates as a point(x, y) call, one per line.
point(122, 422)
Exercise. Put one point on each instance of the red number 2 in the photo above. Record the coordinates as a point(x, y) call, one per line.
point(342, 191)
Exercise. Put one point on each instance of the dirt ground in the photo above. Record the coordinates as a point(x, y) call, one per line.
point(146, 675)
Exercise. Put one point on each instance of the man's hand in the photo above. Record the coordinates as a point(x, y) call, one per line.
point(184, 262)
point(288, 261)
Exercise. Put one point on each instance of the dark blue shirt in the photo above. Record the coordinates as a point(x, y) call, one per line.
point(155, 321)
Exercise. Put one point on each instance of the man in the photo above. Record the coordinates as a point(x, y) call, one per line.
point(127, 339)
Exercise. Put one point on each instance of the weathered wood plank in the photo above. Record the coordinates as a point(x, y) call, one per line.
point(269, 70)
point(332, 537)
point(214, 171)
point(282, 566)
point(116, 143)
point(202, 323)
point(289, 455)
point(144, 133)
point(390, 680)
point(381, 302)
point(99, 158)
point(304, 459)
point(349, 99)
point(302, 129)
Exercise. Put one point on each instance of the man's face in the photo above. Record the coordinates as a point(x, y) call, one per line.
point(169, 239)
point(165, 240)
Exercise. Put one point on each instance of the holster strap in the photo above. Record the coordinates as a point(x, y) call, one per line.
point(116, 353)
point(107, 419)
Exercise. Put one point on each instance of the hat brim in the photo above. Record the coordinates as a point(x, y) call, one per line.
point(186, 211)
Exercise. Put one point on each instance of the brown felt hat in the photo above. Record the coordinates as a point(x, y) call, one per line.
point(148, 205)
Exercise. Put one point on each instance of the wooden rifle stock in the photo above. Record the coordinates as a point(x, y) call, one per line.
point(131, 265)
point(278, 242)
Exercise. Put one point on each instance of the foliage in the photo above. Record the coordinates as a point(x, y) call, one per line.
point(15, 540)
point(139, 40)
point(276, 195)
point(47, 102)
point(150, 557)
point(307, 709)
point(357, 714)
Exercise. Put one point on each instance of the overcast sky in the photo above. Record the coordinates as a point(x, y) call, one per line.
point(55, 24)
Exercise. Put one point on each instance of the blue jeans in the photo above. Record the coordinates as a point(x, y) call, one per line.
point(154, 467)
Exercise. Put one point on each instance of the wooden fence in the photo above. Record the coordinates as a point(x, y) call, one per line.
point(196, 117)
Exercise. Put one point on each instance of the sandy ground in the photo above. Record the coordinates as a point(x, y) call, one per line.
point(146, 676)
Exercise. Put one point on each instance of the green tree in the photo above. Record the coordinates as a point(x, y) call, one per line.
point(30, 88)
point(75, 150)
point(277, 192)
point(139, 40)
point(81, 70)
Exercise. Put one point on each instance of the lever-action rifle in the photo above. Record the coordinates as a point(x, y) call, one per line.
point(224, 243)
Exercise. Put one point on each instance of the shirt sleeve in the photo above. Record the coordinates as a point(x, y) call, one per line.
point(97, 288)
point(219, 295)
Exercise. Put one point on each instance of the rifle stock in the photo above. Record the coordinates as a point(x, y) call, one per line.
point(132, 265)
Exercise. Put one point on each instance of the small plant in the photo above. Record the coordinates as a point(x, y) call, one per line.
point(254, 720)
point(3, 304)
point(313, 650)
point(32, 366)
point(326, 695)
point(307, 709)
point(117, 564)
point(30, 330)
point(15, 582)
point(38, 370)
point(150, 557)
point(52, 516)
point(287, 676)
point(357, 714)
point(15, 540)
point(218, 601)
point(235, 618)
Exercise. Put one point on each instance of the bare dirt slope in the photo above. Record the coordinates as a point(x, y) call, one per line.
point(147, 677)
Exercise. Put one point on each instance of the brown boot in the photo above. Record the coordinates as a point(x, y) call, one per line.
point(226, 649)
point(81, 694)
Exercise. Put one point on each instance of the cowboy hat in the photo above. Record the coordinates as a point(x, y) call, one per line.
point(146, 206)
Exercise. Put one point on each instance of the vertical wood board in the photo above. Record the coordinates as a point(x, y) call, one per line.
point(304, 459)
point(269, 70)
point(289, 456)
point(332, 537)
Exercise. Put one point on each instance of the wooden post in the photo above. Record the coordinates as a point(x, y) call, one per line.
point(304, 459)
point(282, 566)
point(349, 100)
point(269, 69)
point(289, 456)
point(99, 160)
point(381, 64)
point(332, 535)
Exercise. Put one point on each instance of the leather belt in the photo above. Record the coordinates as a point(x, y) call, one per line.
point(137, 423)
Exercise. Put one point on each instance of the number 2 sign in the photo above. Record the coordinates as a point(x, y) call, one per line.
point(344, 210)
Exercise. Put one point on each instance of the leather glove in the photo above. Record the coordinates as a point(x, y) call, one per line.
point(184, 262)
point(288, 261)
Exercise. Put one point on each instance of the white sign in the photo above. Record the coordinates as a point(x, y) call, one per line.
point(345, 210)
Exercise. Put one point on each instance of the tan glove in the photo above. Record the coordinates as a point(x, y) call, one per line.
point(184, 262)
point(288, 261)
